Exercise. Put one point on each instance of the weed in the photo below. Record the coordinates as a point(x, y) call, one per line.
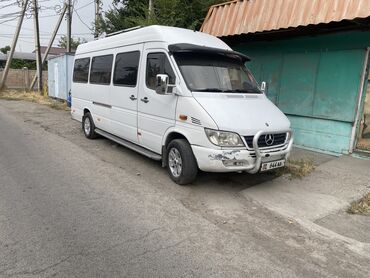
point(34, 97)
point(361, 206)
point(297, 168)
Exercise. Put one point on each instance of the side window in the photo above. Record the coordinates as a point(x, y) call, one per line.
point(81, 70)
point(125, 69)
point(101, 69)
point(157, 63)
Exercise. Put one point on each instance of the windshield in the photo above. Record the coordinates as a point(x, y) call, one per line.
point(216, 73)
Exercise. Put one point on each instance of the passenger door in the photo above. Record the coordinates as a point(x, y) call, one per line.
point(156, 113)
point(99, 87)
point(124, 93)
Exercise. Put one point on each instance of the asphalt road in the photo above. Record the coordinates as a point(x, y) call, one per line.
point(71, 207)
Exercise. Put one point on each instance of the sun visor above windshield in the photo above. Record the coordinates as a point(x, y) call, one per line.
point(187, 47)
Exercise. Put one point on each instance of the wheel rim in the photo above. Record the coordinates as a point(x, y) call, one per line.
point(175, 162)
point(87, 126)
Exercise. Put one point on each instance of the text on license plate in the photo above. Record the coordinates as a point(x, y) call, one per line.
point(272, 165)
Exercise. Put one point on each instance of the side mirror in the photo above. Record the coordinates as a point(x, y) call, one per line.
point(162, 84)
point(264, 87)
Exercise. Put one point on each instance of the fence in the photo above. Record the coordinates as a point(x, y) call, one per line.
point(22, 78)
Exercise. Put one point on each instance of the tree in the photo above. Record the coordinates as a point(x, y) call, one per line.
point(179, 13)
point(17, 63)
point(5, 49)
point(74, 42)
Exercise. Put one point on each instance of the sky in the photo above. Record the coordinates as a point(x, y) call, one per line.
point(84, 15)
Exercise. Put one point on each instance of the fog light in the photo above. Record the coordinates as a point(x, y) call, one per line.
point(234, 163)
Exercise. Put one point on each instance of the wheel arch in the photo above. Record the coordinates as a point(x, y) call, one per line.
point(171, 134)
point(86, 110)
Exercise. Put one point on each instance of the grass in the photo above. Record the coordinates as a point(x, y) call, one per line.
point(34, 97)
point(361, 206)
point(297, 168)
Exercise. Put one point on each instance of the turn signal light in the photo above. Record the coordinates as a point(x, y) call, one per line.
point(183, 117)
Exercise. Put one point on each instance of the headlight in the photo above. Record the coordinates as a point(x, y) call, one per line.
point(224, 138)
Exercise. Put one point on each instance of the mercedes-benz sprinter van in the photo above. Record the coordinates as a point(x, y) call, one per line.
point(179, 96)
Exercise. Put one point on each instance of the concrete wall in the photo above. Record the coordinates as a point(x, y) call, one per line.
point(21, 79)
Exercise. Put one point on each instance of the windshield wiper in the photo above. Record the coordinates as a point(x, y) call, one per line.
point(209, 90)
point(250, 91)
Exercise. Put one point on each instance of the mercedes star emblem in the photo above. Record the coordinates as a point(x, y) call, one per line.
point(269, 139)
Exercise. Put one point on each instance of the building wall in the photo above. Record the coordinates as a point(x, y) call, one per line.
point(21, 79)
point(316, 82)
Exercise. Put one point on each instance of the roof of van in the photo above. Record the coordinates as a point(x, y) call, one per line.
point(153, 33)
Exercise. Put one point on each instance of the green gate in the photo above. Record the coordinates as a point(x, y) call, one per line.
point(315, 81)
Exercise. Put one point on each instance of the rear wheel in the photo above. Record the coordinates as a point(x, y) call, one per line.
point(88, 126)
point(181, 163)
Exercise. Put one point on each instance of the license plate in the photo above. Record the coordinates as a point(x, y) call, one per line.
point(272, 165)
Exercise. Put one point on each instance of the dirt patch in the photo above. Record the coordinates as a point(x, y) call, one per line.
point(297, 168)
point(361, 206)
point(34, 97)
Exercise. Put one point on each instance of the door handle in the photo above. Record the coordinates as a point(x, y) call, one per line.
point(132, 97)
point(145, 100)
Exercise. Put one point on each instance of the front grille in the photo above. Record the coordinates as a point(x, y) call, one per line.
point(279, 139)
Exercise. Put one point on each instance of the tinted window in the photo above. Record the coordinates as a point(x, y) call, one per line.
point(216, 73)
point(125, 69)
point(101, 69)
point(157, 63)
point(81, 70)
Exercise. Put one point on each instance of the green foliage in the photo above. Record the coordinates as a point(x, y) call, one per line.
point(17, 63)
point(5, 49)
point(74, 43)
point(20, 64)
point(179, 13)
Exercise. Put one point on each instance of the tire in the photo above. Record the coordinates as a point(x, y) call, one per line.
point(184, 170)
point(88, 126)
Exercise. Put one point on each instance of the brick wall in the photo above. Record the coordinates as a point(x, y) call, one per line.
point(21, 79)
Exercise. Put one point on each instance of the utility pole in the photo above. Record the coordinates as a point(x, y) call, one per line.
point(37, 46)
point(97, 17)
point(50, 42)
point(14, 44)
point(151, 5)
point(69, 23)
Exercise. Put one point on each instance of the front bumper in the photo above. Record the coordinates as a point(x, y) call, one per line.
point(233, 160)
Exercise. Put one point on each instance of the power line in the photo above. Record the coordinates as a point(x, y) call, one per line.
point(25, 28)
point(1, 22)
point(79, 8)
point(87, 26)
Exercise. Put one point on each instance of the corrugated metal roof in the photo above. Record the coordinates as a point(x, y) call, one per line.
point(251, 16)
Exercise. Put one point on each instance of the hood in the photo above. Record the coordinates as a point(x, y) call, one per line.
point(245, 114)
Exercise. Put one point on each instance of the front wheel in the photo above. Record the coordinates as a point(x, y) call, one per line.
point(181, 163)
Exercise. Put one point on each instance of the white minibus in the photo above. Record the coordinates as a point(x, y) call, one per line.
point(181, 97)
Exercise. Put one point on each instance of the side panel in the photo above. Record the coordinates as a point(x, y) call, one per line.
point(94, 97)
